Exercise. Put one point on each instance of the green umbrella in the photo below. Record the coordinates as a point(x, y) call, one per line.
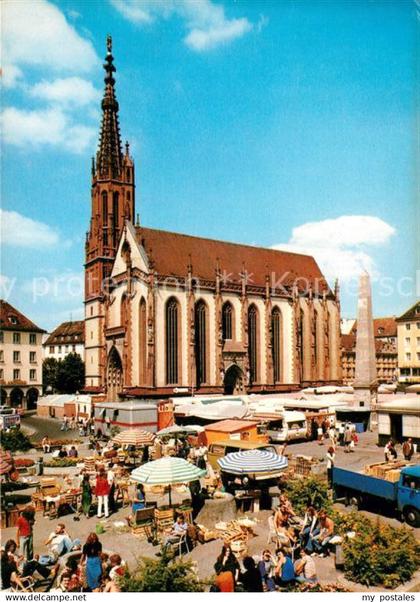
point(167, 471)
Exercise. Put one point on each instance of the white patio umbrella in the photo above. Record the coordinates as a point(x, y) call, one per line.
point(258, 463)
point(167, 471)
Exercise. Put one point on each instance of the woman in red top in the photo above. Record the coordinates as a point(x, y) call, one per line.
point(102, 490)
point(24, 534)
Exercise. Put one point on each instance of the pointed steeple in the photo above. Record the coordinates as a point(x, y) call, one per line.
point(109, 155)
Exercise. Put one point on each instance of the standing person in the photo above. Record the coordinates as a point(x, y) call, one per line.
point(139, 501)
point(157, 448)
point(408, 449)
point(341, 434)
point(330, 456)
point(347, 439)
point(46, 445)
point(320, 434)
point(24, 534)
point(354, 441)
point(86, 495)
point(110, 475)
point(332, 434)
point(202, 457)
point(91, 552)
point(390, 452)
point(102, 490)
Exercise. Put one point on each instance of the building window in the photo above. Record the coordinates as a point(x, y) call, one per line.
point(67, 348)
point(16, 374)
point(200, 319)
point(115, 209)
point(16, 356)
point(407, 340)
point(253, 344)
point(1, 337)
point(32, 357)
point(1, 355)
point(1, 374)
point(276, 343)
point(32, 374)
point(172, 330)
point(227, 311)
point(142, 341)
point(32, 339)
point(51, 348)
point(408, 357)
point(59, 349)
point(16, 338)
point(418, 356)
point(13, 319)
point(418, 325)
point(73, 348)
point(408, 326)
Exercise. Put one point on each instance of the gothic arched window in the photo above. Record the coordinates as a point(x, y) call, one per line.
point(253, 343)
point(276, 338)
point(227, 321)
point(115, 209)
point(200, 322)
point(172, 331)
point(142, 340)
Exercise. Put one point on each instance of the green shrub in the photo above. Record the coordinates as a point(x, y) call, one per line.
point(381, 555)
point(165, 574)
point(310, 491)
point(15, 440)
point(61, 462)
point(351, 521)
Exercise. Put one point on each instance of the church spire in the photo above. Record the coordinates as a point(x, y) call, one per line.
point(109, 155)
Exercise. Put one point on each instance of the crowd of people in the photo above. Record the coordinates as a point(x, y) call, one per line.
point(87, 567)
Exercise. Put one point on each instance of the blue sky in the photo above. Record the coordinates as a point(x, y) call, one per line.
point(287, 124)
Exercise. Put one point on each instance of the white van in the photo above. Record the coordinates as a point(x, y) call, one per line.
point(287, 427)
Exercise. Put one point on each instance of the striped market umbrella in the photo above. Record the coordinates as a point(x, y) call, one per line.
point(6, 462)
point(134, 437)
point(167, 471)
point(256, 462)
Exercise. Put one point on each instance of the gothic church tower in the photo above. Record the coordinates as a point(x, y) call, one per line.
point(113, 203)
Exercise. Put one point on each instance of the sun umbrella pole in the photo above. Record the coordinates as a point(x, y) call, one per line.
point(170, 496)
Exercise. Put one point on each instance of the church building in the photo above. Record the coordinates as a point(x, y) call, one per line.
point(169, 313)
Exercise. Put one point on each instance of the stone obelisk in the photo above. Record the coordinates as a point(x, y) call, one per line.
point(366, 379)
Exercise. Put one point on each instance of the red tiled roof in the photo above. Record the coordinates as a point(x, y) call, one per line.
point(12, 319)
point(411, 314)
point(348, 345)
point(382, 327)
point(66, 333)
point(171, 254)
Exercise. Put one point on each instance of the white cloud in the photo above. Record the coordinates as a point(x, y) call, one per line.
point(51, 126)
point(206, 22)
point(36, 37)
point(339, 245)
point(20, 231)
point(38, 34)
point(70, 91)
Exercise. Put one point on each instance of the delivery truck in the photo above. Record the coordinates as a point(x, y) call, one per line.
point(402, 495)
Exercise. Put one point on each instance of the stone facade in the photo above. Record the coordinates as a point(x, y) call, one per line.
point(20, 359)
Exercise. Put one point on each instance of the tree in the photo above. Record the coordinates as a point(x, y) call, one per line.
point(70, 374)
point(310, 491)
point(165, 574)
point(49, 373)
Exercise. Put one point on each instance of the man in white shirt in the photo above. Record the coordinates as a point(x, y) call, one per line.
point(179, 529)
point(60, 542)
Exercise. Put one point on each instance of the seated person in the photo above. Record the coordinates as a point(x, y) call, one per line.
point(318, 544)
point(73, 452)
point(310, 526)
point(305, 568)
point(10, 577)
point(46, 445)
point(109, 585)
point(287, 505)
point(178, 530)
point(62, 453)
point(251, 577)
point(284, 571)
point(117, 567)
point(266, 566)
point(139, 502)
point(60, 542)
